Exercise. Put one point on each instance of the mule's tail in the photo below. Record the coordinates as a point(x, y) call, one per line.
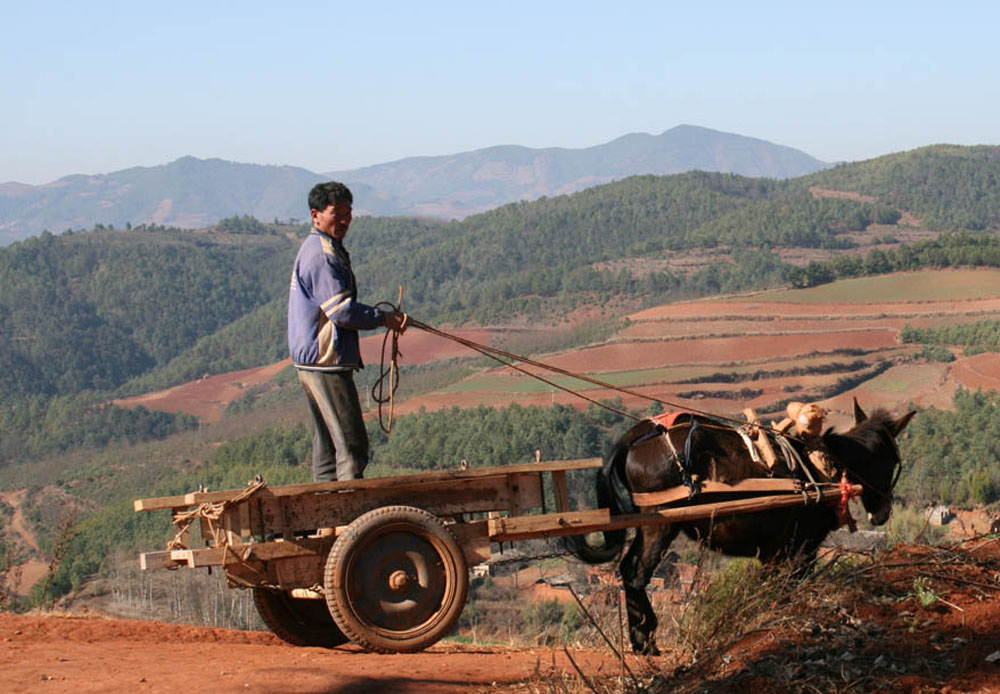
point(613, 494)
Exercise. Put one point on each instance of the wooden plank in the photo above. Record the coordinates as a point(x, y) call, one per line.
point(555, 525)
point(260, 551)
point(560, 489)
point(157, 560)
point(243, 520)
point(748, 486)
point(195, 498)
point(327, 510)
point(206, 531)
point(526, 492)
point(513, 492)
point(228, 519)
point(474, 539)
point(546, 525)
point(161, 503)
point(298, 572)
point(286, 529)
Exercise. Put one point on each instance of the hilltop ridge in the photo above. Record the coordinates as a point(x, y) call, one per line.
point(192, 192)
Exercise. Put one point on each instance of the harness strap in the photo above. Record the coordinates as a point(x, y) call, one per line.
point(751, 446)
point(690, 480)
point(673, 448)
point(793, 460)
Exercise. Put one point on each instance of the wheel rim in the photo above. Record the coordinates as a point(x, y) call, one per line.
point(400, 581)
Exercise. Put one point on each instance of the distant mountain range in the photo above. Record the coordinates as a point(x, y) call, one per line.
point(471, 182)
point(193, 192)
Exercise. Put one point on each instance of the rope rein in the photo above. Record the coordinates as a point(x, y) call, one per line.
point(390, 374)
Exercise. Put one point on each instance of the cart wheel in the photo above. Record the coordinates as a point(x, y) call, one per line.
point(396, 580)
point(298, 621)
point(593, 551)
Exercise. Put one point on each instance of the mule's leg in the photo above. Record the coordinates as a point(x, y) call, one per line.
point(636, 569)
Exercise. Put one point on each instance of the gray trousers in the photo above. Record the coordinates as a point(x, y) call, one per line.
point(340, 440)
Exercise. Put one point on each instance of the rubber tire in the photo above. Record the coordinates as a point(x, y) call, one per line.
point(393, 541)
point(298, 621)
point(609, 550)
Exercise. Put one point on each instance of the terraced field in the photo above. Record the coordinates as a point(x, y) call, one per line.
point(824, 344)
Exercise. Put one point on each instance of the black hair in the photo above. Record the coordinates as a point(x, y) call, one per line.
point(330, 193)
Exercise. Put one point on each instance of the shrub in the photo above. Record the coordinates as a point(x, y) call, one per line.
point(909, 526)
point(731, 606)
point(936, 353)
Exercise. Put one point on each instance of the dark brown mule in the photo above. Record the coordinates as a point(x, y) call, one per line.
point(642, 461)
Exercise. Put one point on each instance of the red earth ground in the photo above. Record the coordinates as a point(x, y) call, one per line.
point(33, 570)
point(880, 638)
point(863, 632)
point(80, 655)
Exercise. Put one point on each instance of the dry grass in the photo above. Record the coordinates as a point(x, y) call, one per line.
point(857, 623)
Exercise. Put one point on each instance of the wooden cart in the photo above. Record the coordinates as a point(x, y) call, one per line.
point(390, 571)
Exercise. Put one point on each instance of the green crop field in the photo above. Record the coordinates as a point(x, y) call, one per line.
point(929, 285)
point(901, 382)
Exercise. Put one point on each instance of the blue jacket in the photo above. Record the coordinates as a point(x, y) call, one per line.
point(324, 316)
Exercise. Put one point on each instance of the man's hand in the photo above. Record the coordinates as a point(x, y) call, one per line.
point(396, 320)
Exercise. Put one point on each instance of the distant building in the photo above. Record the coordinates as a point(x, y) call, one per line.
point(940, 515)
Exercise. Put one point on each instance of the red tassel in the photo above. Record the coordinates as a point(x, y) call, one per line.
point(847, 493)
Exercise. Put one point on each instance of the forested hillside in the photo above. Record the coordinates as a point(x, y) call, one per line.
point(127, 311)
point(946, 187)
point(81, 314)
point(950, 456)
point(90, 311)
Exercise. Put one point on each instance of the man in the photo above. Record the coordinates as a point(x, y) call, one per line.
point(324, 318)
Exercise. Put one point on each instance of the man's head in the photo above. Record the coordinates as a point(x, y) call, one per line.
point(330, 208)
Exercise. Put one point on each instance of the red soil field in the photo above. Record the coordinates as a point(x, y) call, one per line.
point(737, 309)
point(207, 398)
point(720, 334)
point(978, 371)
point(647, 355)
point(773, 389)
point(418, 347)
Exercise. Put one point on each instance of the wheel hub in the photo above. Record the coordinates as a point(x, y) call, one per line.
point(399, 581)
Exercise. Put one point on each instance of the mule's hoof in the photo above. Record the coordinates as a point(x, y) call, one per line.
point(648, 648)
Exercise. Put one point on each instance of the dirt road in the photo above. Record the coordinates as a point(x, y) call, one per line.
point(84, 655)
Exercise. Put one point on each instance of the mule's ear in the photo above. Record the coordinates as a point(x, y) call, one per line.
point(859, 414)
point(900, 424)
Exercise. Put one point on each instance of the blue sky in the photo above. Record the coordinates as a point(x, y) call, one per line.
point(99, 86)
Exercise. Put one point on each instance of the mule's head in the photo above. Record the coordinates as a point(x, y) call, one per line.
point(870, 456)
